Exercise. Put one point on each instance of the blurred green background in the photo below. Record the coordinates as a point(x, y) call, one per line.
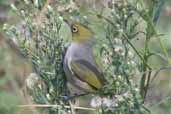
point(159, 96)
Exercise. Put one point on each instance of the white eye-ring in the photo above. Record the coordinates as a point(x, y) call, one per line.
point(74, 29)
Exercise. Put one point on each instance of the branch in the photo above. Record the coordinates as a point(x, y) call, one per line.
point(55, 106)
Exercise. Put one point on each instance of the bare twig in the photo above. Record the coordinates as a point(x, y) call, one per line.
point(72, 107)
point(148, 82)
point(55, 106)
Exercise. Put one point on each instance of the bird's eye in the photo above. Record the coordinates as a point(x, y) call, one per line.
point(74, 29)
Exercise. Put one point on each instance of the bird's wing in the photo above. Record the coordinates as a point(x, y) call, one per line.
point(86, 72)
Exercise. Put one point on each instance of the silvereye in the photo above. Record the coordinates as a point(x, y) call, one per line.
point(83, 73)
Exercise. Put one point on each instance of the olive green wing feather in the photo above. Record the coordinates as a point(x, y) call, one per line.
point(88, 73)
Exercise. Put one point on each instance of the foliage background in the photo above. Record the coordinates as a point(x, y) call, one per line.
point(158, 96)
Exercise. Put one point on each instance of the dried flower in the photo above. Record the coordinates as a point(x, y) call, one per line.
point(32, 80)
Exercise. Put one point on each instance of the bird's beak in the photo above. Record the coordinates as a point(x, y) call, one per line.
point(68, 22)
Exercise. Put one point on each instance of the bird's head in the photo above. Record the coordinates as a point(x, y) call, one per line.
point(80, 33)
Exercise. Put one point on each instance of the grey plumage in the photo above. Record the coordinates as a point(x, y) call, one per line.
point(81, 53)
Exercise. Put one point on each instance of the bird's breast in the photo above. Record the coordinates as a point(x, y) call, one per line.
point(77, 52)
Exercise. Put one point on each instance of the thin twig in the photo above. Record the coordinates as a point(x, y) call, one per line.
point(137, 52)
point(148, 82)
point(55, 106)
point(127, 39)
point(150, 22)
point(72, 107)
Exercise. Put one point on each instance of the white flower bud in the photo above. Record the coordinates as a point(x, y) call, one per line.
point(118, 49)
point(96, 101)
point(104, 45)
point(133, 62)
point(118, 41)
point(26, 1)
point(125, 3)
point(124, 10)
point(48, 96)
point(22, 12)
point(13, 7)
point(51, 90)
point(107, 102)
point(120, 98)
point(60, 18)
point(137, 89)
point(121, 30)
point(119, 77)
point(110, 53)
point(125, 16)
point(117, 16)
point(85, 17)
point(113, 10)
point(127, 95)
point(36, 3)
point(5, 26)
point(40, 86)
point(50, 9)
point(70, 10)
point(115, 105)
point(118, 25)
point(117, 83)
point(32, 80)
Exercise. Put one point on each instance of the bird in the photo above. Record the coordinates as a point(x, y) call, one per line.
point(84, 74)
